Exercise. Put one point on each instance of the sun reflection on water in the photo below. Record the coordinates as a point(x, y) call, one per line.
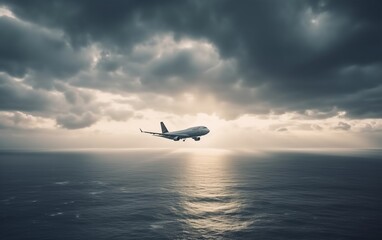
point(209, 202)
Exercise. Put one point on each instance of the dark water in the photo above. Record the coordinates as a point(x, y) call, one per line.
point(183, 195)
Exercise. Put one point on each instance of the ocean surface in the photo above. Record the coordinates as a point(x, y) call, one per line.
point(191, 194)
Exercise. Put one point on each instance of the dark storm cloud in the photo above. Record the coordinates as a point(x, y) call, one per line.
point(25, 46)
point(15, 96)
point(180, 64)
point(299, 54)
point(118, 23)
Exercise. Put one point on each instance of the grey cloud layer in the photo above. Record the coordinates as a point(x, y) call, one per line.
point(26, 47)
point(296, 55)
point(67, 106)
point(16, 96)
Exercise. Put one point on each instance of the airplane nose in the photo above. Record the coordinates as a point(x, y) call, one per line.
point(208, 130)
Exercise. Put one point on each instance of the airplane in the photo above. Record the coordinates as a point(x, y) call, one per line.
point(193, 132)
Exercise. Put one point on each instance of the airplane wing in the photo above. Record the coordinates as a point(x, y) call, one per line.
point(154, 133)
point(166, 135)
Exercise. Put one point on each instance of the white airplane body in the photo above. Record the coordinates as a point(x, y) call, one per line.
point(193, 132)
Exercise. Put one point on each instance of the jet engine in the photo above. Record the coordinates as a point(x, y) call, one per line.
point(176, 138)
point(196, 138)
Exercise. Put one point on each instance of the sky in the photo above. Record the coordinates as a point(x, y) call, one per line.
point(258, 74)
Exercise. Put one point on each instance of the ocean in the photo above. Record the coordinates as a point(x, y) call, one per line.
point(190, 194)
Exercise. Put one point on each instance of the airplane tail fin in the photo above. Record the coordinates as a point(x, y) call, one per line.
point(164, 129)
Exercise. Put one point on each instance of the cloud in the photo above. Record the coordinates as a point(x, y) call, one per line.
point(73, 121)
point(296, 55)
point(282, 130)
point(313, 60)
point(18, 120)
point(119, 114)
point(74, 96)
point(73, 107)
point(14, 95)
point(28, 47)
point(343, 126)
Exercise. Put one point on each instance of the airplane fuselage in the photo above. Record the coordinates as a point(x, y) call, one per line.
point(191, 132)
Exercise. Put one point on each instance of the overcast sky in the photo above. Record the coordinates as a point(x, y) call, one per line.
point(259, 74)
